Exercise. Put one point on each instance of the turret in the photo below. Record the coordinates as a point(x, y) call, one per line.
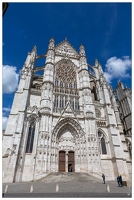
point(47, 88)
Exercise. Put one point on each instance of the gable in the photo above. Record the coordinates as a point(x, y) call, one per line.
point(64, 48)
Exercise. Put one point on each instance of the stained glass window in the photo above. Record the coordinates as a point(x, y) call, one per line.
point(66, 90)
point(30, 138)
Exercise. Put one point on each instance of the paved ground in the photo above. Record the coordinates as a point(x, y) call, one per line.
point(66, 185)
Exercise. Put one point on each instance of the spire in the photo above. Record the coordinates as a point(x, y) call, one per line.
point(96, 63)
point(82, 50)
point(34, 48)
point(51, 43)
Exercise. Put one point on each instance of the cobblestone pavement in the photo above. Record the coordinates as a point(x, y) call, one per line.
point(66, 185)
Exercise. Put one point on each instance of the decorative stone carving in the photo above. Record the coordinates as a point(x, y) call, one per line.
point(7, 153)
point(50, 53)
point(89, 114)
point(44, 135)
point(92, 138)
point(33, 118)
point(49, 67)
point(44, 110)
point(32, 109)
point(83, 60)
point(72, 123)
point(101, 123)
point(82, 50)
point(97, 113)
point(66, 49)
point(10, 151)
point(24, 73)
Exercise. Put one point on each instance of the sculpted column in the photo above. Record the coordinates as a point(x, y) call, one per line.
point(66, 160)
point(47, 101)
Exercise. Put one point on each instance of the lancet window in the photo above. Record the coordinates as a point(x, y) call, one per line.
point(65, 88)
point(30, 139)
point(102, 143)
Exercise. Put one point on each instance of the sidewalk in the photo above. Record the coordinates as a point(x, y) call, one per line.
point(65, 184)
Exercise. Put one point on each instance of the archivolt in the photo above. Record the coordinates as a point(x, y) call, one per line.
point(32, 118)
point(71, 125)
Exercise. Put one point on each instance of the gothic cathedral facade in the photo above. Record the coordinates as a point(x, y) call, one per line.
point(65, 118)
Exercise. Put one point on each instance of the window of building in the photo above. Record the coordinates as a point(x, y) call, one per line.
point(93, 91)
point(103, 146)
point(30, 138)
point(102, 143)
point(66, 90)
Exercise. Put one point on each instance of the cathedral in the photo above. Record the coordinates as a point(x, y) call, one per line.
point(66, 120)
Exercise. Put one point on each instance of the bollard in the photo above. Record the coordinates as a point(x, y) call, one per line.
point(57, 188)
point(6, 189)
point(31, 189)
point(107, 188)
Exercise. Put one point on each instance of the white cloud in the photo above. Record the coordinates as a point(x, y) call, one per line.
point(5, 114)
point(108, 76)
point(117, 68)
point(4, 122)
point(9, 79)
point(6, 109)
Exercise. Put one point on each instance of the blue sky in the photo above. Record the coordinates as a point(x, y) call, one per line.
point(103, 28)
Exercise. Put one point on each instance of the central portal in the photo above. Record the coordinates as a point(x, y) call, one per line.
point(66, 161)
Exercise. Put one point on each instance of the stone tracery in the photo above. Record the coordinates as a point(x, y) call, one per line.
point(65, 85)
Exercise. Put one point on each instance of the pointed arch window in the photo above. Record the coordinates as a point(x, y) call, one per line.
point(103, 146)
point(65, 74)
point(102, 143)
point(30, 138)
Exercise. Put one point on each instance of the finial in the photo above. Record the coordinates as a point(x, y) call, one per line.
point(82, 51)
point(51, 43)
point(52, 39)
point(96, 62)
point(34, 48)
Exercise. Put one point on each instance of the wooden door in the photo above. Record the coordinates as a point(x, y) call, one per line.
point(62, 161)
point(71, 160)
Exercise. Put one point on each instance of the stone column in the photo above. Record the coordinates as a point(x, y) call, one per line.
point(66, 162)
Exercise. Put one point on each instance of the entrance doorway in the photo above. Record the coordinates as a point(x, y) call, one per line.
point(71, 167)
point(62, 161)
point(66, 164)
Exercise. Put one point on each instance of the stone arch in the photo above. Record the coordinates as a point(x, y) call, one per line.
point(103, 132)
point(71, 123)
point(32, 118)
point(103, 138)
point(68, 136)
point(67, 61)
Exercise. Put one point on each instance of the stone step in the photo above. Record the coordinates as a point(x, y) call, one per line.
point(69, 176)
